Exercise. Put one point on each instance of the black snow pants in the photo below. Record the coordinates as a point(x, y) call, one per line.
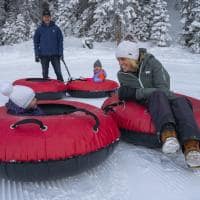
point(55, 61)
point(177, 111)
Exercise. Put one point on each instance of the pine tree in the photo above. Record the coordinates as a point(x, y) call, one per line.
point(68, 15)
point(113, 19)
point(103, 26)
point(141, 26)
point(186, 20)
point(191, 28)
point(2, 12)
point(160, 23)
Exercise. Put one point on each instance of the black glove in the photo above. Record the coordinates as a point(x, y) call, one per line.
point(37, 59)
point(61, 57)
point(127, 93)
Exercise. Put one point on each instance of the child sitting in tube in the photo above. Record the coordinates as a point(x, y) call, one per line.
point(22, 100)
point(99, 74)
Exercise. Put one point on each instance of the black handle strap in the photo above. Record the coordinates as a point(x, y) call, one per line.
point(28, 121)
point(97, 123)
point(109, 107)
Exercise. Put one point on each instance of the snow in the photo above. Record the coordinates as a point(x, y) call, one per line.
point(131, 172)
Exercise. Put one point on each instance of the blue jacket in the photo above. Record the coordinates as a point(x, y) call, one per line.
point(48, 40)
point(16, 110)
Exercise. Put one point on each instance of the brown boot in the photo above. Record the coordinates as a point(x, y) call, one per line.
point(170, 142)
point(192, 153)
point(166, 134)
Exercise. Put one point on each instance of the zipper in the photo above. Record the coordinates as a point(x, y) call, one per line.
point(141, 84)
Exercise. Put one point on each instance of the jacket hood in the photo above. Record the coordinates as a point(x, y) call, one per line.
point(147, 58)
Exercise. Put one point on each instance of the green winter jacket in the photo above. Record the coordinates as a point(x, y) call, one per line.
point(152, 76)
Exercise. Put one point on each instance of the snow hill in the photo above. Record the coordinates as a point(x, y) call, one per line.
point(131, 172)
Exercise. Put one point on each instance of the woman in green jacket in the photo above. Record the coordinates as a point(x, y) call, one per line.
point(143, 79)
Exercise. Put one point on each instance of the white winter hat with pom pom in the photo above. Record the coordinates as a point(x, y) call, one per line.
point(127, 49)
point(18, 94)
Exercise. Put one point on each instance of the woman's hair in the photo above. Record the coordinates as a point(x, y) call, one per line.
point(134, 63)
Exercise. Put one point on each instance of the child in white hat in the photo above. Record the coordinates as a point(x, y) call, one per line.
point(21, 99)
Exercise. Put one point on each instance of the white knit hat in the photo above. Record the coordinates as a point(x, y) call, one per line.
point(127, 49)
point(18, 94)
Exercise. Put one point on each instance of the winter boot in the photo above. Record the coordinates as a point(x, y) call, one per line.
point(192, 153)
point(170, 142)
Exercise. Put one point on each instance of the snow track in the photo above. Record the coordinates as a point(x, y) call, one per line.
point(131, 172)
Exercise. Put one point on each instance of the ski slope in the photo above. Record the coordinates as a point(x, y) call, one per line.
point(131, 172)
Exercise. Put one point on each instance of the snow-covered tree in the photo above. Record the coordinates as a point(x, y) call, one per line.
point(2, 12)
point(191, 20)
point(67, 15)
point(194, 43)
point(103, 26)
point(113, 19)
point(186, 20)
point(160, 23)
point(141, 26)
point(16, 31)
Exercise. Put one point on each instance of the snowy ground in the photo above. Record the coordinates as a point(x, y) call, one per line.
point(131, 172)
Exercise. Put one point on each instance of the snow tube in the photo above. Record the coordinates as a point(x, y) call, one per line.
point(86, 88)
point(69, 138)
point(135, 122)
point(45, 89)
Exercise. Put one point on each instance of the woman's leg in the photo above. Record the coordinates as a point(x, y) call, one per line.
point(187, 128)
point(162, 116)
point(160, 110)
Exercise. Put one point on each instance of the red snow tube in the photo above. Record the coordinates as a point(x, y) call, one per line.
point(135, 122)
point(87, 88)
point(45, 89)
point(69, 138)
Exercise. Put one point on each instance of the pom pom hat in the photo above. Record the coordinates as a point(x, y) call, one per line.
point(127, 49)
point(97, 63)
point(18, 94)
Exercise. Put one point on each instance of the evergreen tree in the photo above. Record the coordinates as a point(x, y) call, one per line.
point(141, 26)
point(113, 19)
point(191, 29)
point(2, 12)
point(160, 23)
point(68, 15)
point(103, 26)
point(194, 29)
point(186, 20)
point(16, 31)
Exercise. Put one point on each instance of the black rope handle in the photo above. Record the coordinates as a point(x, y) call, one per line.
point(28, 121)
point(109, 107)
point(97, 123)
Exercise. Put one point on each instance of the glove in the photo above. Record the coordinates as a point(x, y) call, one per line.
point(61, 57)
point(127, 93)
point(37, 59)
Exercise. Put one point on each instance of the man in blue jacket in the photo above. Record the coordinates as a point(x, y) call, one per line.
point(48, 45)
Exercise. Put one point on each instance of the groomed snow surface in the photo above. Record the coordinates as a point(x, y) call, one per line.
point(131, 172)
